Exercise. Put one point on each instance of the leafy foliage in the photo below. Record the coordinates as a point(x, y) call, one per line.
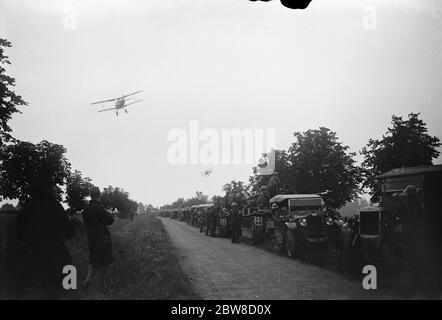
point(9, 100)
point(320, 163)
point(77, 190)
point(26, 167)
point(118, 199)
point(283, 166)
point(199, 198)
point(317, 162)
point(406, 144)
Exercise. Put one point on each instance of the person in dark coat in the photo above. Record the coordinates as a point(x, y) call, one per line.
point(96, 219)
point(235, 223)
point(263, 198)
point(418, 243)
point(42, 228)
point(214, 219)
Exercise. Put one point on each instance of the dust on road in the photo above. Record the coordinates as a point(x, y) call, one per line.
point(219, 269)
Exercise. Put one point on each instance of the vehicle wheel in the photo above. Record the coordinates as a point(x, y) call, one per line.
point(290, 243)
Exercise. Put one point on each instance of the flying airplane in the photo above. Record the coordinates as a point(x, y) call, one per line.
point(206, 173)
point(120, 103)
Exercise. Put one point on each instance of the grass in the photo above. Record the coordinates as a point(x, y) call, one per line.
point(145, 264)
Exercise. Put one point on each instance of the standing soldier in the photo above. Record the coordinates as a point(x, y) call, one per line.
point(235, 222)
point(96, 219)
point(208, 219)
point(203, 219)
point(274, 184)
point(418, 243)
point(214, 218)
point(263, 198)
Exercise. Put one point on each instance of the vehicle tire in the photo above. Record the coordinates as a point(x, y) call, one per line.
point(290, 243)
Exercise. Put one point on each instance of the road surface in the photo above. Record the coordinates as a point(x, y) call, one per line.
point(221, 270)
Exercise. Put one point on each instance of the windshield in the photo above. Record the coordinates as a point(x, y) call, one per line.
point(305, 208)
point(312, 204)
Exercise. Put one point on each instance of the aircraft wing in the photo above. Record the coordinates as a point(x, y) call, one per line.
point(130, 94)
point(132, 103)
point(104, 101)
point(107, 109)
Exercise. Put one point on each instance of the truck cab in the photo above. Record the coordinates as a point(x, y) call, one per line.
point(299, 222)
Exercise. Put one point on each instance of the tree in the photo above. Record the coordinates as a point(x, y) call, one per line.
point(118, 199)
point(405, 144)
point(317, 162)
point(234, 187)
point(282, 165)
point(77, 190)
point(320, 163)
point(26, 167)
point(233, 191)
point(9, 100)
point(199, 198)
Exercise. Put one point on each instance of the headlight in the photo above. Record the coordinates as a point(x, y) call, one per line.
point(303, 222)
point(329, 221)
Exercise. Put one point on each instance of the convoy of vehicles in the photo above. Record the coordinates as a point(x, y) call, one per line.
point(298, 222)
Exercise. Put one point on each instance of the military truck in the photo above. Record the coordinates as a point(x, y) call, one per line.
point(377, 232)
point(298, 222)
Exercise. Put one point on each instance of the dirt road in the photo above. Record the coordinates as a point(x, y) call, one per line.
point(221, 270)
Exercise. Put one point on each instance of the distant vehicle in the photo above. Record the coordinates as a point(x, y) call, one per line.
point(120, 103)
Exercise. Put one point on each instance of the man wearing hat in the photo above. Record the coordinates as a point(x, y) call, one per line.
point(42, 228)
point(418, 244)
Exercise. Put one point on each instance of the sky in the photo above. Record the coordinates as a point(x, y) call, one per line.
point(228, 64)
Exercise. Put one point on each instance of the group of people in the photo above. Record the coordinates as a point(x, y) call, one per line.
point(43, 226)
point(209, 220)
point(208, 216)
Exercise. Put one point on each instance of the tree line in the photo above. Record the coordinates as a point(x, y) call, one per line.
point(318, 162)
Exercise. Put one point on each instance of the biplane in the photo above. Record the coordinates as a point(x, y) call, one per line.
point(120, 102)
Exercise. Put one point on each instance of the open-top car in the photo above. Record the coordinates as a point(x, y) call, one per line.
point(298, 222)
